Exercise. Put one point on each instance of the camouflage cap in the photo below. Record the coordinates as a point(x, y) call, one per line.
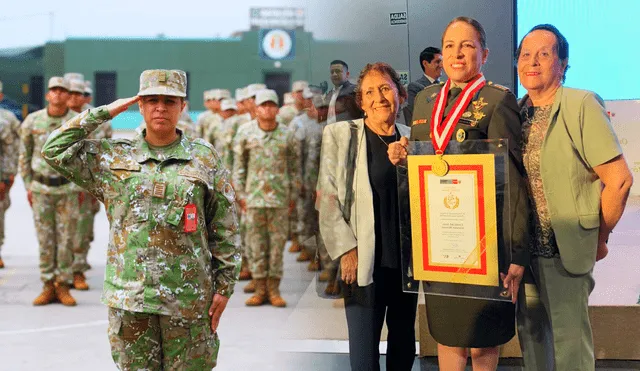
point(266, 95)
point(253, 89)
point(58, 82)
point(320, 101)
point(228, 103)
point(307, 93)
point(299, 85)
point(73, 76)
point(163, 82)
point(87, 87)
point(240, 94)
point(76, 86)
point(224, 94)
point(288, 99)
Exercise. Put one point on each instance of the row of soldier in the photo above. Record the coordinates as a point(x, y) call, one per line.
point(63, 213)
point(272, 153)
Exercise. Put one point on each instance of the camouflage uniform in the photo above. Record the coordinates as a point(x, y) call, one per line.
point(9, 147)
point(88, 210)
point(159, 279)
point(287, 113)
point(55, 199)
point(265, 172)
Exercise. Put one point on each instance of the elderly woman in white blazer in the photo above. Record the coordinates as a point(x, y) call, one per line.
point(368, 245)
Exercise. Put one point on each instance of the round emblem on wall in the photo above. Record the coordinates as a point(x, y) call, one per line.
point(277, 44)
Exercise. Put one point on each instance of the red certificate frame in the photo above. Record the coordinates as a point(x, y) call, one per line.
point(457, 242)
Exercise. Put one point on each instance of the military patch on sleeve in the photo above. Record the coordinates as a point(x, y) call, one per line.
point(228, 192)
point(420, 121)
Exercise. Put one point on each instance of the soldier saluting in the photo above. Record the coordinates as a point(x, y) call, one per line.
point(171, 262)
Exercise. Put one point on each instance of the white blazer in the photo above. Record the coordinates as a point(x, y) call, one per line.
point(340, 237)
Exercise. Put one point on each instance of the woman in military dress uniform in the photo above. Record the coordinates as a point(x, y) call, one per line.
point(488, 111)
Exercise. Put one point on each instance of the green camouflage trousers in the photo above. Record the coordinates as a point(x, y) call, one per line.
point(142, 341)
point(84, 233)
point(55, 218)
point(312, 241)
point(266, 236)
point(4, 205)
point(243, 236)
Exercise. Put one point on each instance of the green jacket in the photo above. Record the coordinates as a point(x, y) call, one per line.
point(153, 264)
point(579, 138)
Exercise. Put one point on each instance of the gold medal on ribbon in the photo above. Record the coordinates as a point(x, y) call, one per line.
point(440, 166)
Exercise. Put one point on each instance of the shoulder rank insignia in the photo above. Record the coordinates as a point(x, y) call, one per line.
point(498, 86)
point(418, 122)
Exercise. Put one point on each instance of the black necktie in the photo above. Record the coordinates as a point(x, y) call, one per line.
point(453, 93)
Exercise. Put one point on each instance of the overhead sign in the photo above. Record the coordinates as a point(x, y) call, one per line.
point(277, 44)
point(404, 77)
point(286, 18)
point(398, 18)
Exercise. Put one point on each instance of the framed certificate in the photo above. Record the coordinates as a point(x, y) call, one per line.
point(454, 225)
point(454, 219)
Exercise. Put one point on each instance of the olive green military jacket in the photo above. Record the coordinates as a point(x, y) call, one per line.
point(155, 265)
point(492, 114)
point(580, 137)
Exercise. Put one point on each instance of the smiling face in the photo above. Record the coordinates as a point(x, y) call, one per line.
point(161, 112)
point(380, 98)
point(462, 52)
point(539, 66)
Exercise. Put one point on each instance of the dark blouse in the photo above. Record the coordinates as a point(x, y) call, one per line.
point(383, 179)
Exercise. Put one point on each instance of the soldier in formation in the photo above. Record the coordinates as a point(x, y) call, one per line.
point(90, 205)
point(266, 177)
point(9, 147)
point(53, 198)
point(172, 260)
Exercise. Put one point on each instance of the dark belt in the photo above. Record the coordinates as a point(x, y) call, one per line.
point(50, 181)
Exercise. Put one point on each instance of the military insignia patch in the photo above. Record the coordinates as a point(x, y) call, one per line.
point(461, 135)
point(418, 122)
point(478, 105)
point(228, 192)
point(159, 189)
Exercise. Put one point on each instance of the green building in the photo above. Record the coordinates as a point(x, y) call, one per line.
point(114, 65)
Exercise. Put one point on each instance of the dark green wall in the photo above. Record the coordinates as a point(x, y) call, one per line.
point(217, 63)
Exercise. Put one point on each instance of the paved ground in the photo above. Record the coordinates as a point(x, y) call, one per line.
point(59, 338)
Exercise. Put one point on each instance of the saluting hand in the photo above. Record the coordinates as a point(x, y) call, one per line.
point(349, 266)
point(218, 305)
point(512, 280)
point(397, 151)
point(121, 105)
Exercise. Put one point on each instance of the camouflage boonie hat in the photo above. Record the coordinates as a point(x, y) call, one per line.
point(288, 99)
point(58, 82)
point(228, 103)
point(253, 89)
point(163, 82)
point(299, 85)
point(70, 76)
point(224, 94)
point(266, 95)
point(87, 87)
point(76, 86)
